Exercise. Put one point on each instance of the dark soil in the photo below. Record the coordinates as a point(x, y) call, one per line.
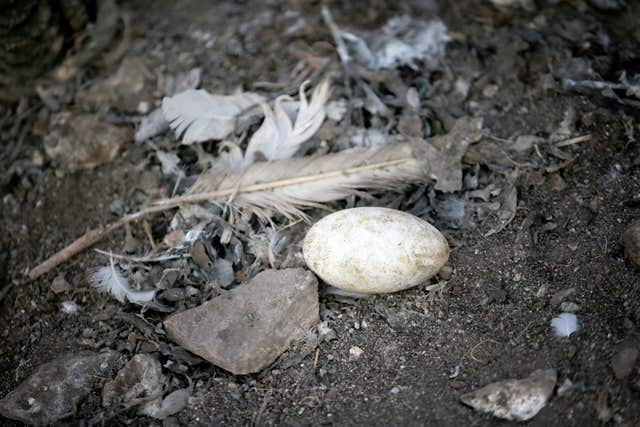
point(492, 321)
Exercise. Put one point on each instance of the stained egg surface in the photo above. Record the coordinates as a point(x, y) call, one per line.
point(374, 250)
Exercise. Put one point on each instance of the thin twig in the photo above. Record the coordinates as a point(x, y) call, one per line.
point(341, 48)
point(143, 259)
point(571, 141)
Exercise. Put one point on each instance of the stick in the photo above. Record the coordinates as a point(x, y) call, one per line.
point(89, 239)
point(572, 141)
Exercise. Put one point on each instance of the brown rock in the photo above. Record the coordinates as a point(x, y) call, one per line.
point(624, 361)
point(556, 182)
point(631, 243)
point(82, 141)
point(247, 329)
point(141, 377)
point(128, 88)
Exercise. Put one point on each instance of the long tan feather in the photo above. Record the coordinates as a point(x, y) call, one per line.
point(288, 186)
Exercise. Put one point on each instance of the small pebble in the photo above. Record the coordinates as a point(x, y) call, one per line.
point(199, 255)
point(60, 284)
point(624, 361)
point(560, 296)
point(569, 307)
point(174, 294)
point(355, 353)
point(395, 390)
point(446, 272)
point(556, 183)
point(631, 243)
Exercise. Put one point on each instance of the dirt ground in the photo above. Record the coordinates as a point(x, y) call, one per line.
point(421, 350)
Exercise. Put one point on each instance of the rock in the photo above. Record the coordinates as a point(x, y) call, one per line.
point(556, 182)
point(222, 272)
point(410, 124)
point(624, 361)
point(514, 400)
point(355, 353)
point(82, 141)
point(60, 284)
point(249, 327)
point(631, 243)
point(170, 405)
point(127, 89)
point(560, 296)
point(141, 377)
point(374, 250)
point(54, 390)
point(569, 307)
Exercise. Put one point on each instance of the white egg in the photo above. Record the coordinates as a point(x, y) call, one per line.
point(374, 250)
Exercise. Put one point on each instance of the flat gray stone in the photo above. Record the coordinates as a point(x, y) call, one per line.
point(515, 400)
point(247, 329)
point(54, 389)
point(141, 377)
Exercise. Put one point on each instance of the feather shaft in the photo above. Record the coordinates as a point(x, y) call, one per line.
point(201, 197)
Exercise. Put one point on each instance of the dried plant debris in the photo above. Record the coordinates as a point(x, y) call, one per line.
point(444, 153)
point(402, 41)
point(627, 86)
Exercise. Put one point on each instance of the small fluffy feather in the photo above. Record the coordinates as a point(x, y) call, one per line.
point(198, 116)
point(69, 307)
point(280, 136)
point(109, 279)
point(565, 324)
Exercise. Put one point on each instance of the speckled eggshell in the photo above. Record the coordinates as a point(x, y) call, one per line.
point(374, 250)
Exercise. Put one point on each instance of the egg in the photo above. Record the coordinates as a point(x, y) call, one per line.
point(374, 250)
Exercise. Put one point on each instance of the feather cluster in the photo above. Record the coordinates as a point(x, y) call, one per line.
point(198, 116)
point(284, 130)
point(565, 324)
point(109, 279)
